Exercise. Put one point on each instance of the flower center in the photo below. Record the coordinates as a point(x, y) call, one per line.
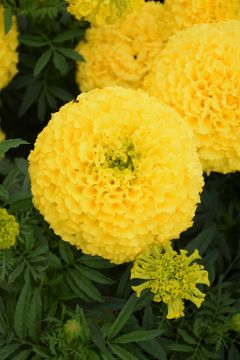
point(122, 158)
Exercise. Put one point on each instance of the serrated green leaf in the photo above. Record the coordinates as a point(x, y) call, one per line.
point(10, 144)
point(202, 240)
point(122, 317)
point(86, 335)
point(71, 54)
point(68, 35)
point(187, 337)
point(60, 63)
point(94, 275)
point(21, 311)
point(107, 356)
point(86, 286)
point(180, 348)
point(8, 350)
point(34, 41)
point(153, 348)
point(42, 62)
point(7, 19)
point(16, 272)
point(95, 262)
point(23, 355)
point(137, 336)
point(30, 97)
point(61, 93)
point(4, 195)
point(122, 353)
point(35, 316)
point(75, 288)
point(66, 252)
point(40, 350)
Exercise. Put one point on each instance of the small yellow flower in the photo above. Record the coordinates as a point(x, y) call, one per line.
point(9, 229)
point(171, 277)
point(116, 171)
point(203, 86)
point(122, 54)
point(8, 53)
point(99, 12)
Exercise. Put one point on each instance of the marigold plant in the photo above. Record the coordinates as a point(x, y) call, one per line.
point(116, 171)
point(8, 53)
point(171, 277)
point(100, 12)
point(203, 86)
point(122, 54)
point(9, 229)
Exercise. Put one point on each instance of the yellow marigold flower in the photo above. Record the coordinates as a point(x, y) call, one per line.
point(116, 171)
point(2, 135)
point(9, 229)
point(99, 12)
point(189, 12)
point(171, 277)
point(198, 73)
point(122, 54)
point(8, 53)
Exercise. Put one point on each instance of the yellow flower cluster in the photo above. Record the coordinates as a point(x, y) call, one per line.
point(189, 12)
point(99, 12)
point(122, 54)
point(171, 277)
point(8, 53)
point(198, 73)
point(9, 229)
point(116, 171)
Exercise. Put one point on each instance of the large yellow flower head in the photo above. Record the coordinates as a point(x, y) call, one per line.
point(122, 54)
point(198, 73)
point(116, 171)
point(8, 53)
point(9, 229)
point(171, 277)
point(99, 12)
point(189, 12)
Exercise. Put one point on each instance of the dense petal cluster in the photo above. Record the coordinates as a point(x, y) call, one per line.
point(9, 229)
point(122, 54)
point(189, 12)
point(8, 53)
point(99, 12)
point(198, 73)
point(115, 171)
point(171, 277)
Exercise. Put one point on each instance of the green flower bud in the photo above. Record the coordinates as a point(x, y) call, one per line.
point(72, 328)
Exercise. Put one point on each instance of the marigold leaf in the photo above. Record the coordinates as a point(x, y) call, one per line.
point(122, 353)
point(122, 317)
point(21, 312)
point(8, 350)
point(138, 335)
point(9, 144)
point(35, 316)
point(42, 62)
